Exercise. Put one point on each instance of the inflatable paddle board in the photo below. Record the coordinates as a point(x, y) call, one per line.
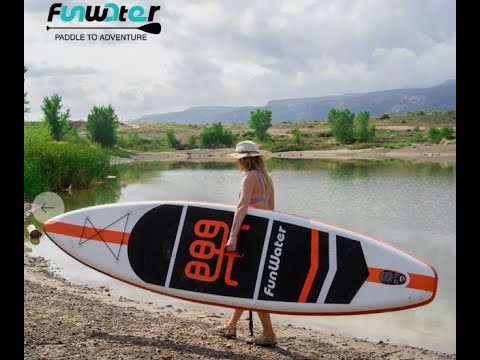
point(283, 264)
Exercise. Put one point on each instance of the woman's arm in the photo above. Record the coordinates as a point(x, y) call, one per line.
point(248, 183)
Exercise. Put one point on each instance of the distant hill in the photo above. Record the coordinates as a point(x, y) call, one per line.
point(440, 97)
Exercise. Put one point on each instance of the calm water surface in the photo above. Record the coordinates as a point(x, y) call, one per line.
point(412, 206)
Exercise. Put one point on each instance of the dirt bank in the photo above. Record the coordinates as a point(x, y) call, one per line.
point(420, 153)
point(66, 321)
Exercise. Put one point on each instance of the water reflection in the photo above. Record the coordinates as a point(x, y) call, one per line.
point(410, 205)
point(359, 168)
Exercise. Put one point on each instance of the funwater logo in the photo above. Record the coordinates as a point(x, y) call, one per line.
point(138, 17)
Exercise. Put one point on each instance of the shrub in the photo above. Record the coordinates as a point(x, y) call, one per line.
point(297, 136)
point(260, 122)
point(216, 136)
point(172, 141)
point(434, 135)
point(361, 126)
point(341, 125)
point(102, 124)
point(326, 133)
point(51, 166)
point(446, 132)
point(418, 137)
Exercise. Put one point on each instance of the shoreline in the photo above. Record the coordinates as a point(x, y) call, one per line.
point(419, 153)
point(65, 320)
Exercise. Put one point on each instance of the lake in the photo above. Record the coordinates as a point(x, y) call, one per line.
point(407, 204)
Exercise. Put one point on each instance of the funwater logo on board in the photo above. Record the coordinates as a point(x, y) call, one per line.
point(76, 22)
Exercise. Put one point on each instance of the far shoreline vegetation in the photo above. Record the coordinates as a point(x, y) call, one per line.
point(60, 153)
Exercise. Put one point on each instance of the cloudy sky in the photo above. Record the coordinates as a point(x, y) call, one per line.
point(238, 53)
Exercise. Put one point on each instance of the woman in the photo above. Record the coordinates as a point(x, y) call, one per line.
point(256, 191)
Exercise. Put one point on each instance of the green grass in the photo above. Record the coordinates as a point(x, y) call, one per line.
point(51, 166)
point(394, 145)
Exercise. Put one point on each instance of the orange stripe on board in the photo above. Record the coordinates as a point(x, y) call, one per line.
point(374, 275)
point(314, 243)
point(110, 236)
point(417, 281)
point(422, 282)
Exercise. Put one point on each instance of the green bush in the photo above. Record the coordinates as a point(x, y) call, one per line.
point(385, 116)
point(260, 122)
point(172, 140)
point(341, 125)
point(446, 132)
point(434, 135)
point(102, 124)
point(32, 183)
point(326, 133)
point(71, 135)
point(247, 134)
point(192, 141)
point(36, 132)
point(362, 131)
point(216, 136)
point(418, 137)
point(51, 166)
point(133, 140)
point(297, 136)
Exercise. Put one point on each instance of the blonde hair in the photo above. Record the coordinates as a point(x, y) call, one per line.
point(256, 163)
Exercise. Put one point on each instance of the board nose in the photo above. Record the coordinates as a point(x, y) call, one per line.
point(49, 225)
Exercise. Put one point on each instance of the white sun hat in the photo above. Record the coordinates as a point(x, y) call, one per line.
point(246, 149)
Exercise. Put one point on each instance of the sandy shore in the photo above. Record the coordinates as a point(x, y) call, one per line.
point(67, 321)
point(420, 153)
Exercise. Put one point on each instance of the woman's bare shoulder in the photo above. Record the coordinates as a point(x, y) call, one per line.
point(249, 176)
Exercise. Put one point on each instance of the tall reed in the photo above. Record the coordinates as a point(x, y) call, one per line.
point(51, 166)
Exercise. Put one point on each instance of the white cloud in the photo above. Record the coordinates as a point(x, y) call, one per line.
point(243, 53)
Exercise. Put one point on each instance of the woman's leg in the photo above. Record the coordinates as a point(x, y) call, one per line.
point(232, 323)
point(266, 323)
point(230, 329)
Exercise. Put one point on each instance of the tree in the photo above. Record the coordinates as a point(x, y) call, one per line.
point(341, 125)
point(102, 124)
point(26, 109)
point(52, 115)
point(260, 122)
point(215, 136)
point(192, 140)
point(363, 132)
point(172, 141)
